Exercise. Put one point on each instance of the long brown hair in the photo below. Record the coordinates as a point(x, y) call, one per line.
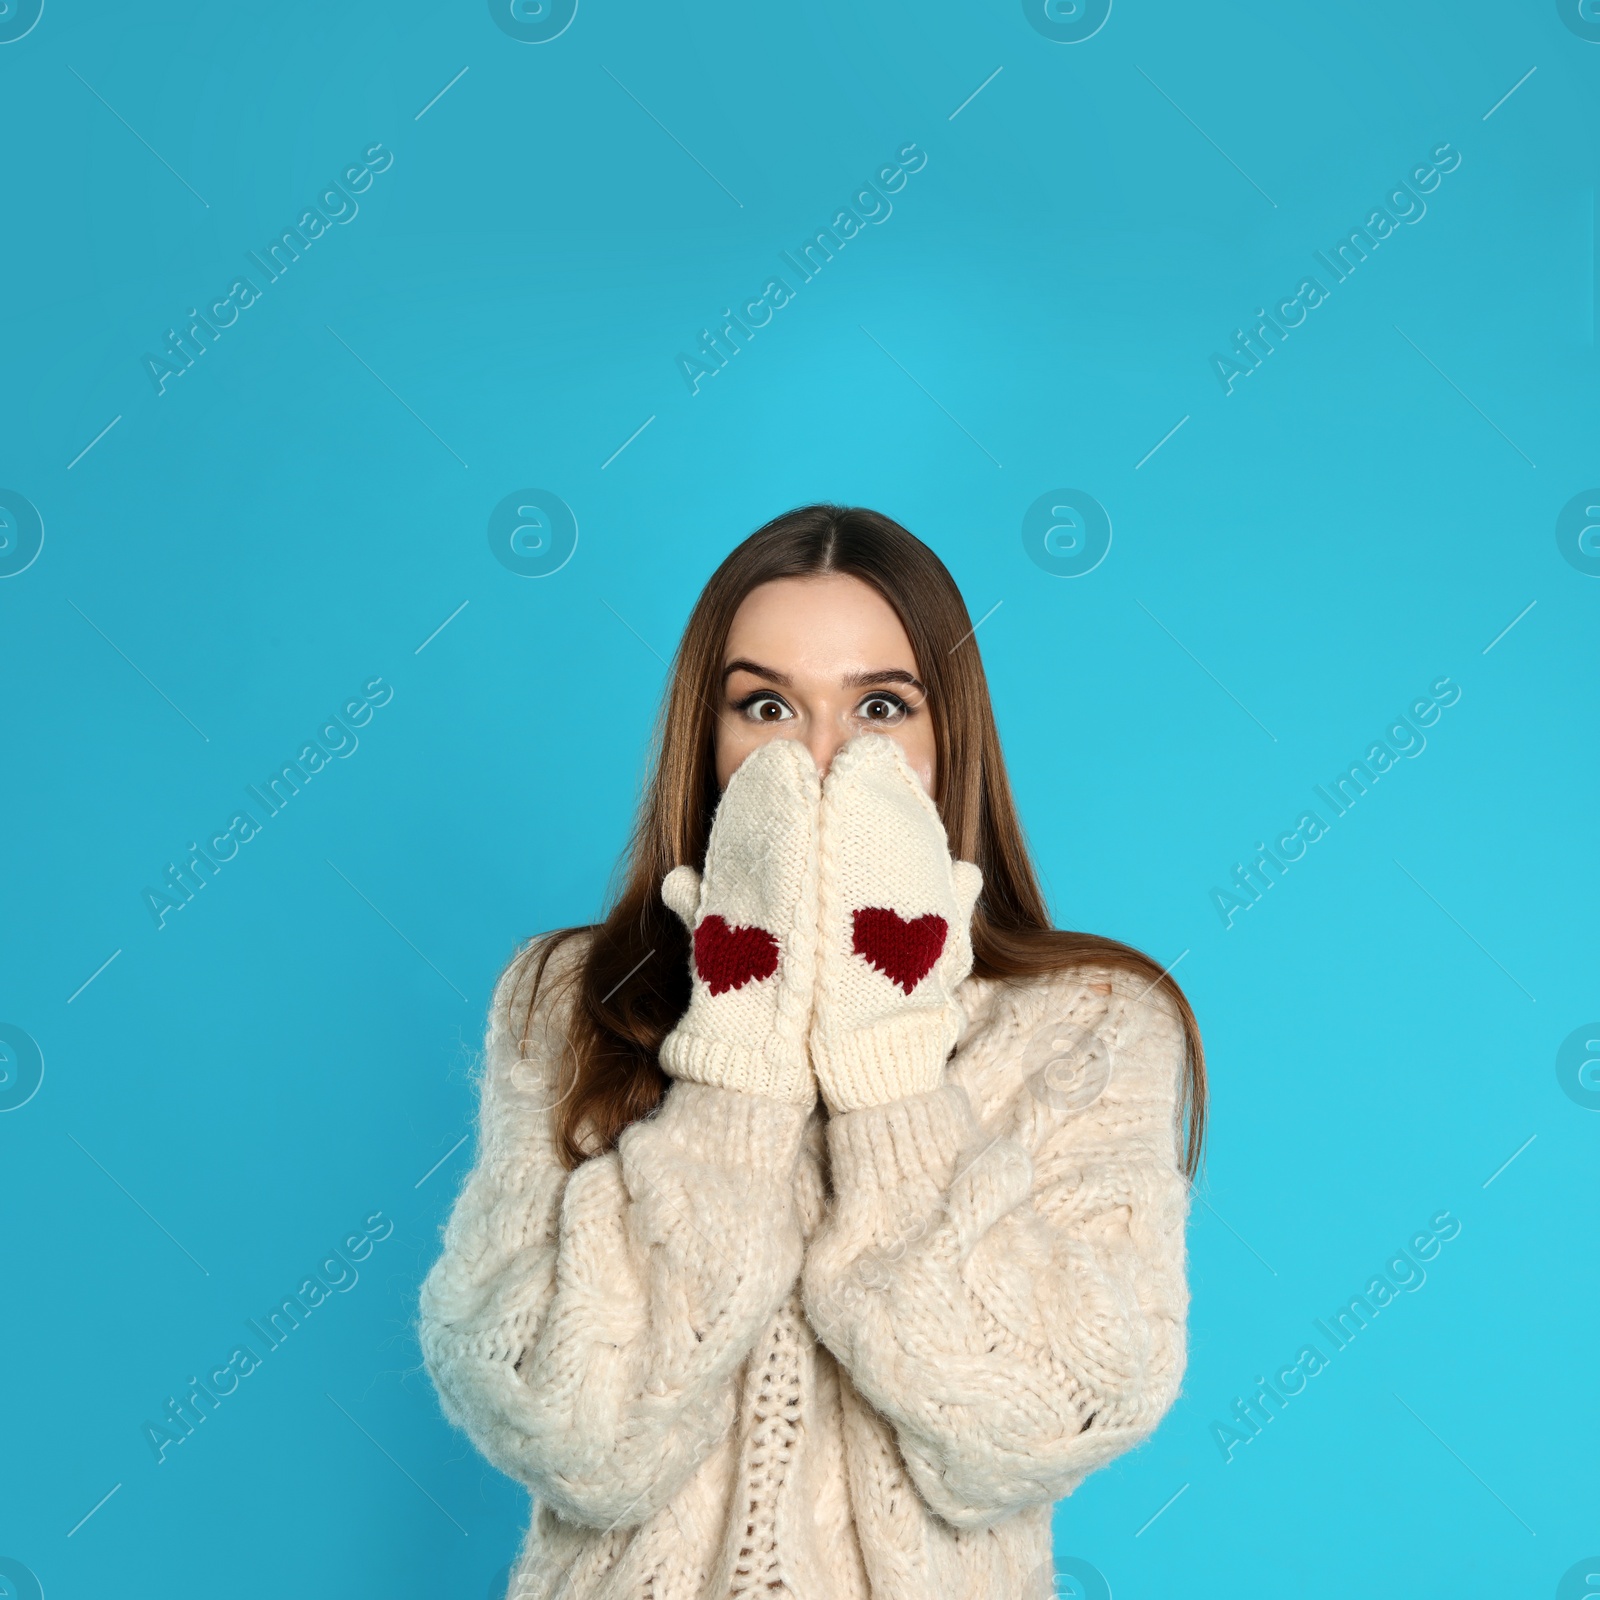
point(632, 986)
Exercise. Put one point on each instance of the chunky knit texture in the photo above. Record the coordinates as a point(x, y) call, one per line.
point(895, 917)
point(763, 1351)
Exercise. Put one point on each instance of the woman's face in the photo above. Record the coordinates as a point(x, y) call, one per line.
point(820, 660)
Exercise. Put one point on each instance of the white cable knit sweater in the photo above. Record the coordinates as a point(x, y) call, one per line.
point(765, 1350)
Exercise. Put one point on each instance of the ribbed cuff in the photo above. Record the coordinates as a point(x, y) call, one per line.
point(731, 1127)
point(727, 1064)
point(893, 1058)
point(906, 1146)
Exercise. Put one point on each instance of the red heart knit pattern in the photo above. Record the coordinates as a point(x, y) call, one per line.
point(903, 951)
point(729, 957)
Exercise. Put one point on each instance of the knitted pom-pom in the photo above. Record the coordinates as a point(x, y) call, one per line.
point(730, 957)
point(903, 951)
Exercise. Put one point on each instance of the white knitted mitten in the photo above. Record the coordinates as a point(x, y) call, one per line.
point(896, 939)
point(753, 922)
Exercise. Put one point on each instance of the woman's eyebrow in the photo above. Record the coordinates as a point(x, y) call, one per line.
point(756, 670)
point(859, 680)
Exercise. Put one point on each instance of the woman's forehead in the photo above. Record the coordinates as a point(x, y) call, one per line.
point(832, 623)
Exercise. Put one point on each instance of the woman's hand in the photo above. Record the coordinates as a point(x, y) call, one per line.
point(753, 928)
point(895, 935)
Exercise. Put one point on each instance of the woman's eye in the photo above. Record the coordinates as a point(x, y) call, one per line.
point(882, 708)
point(766, 708)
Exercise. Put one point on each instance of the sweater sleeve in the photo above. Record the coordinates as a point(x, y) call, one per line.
point(584, 1327)
point(1012, 1298)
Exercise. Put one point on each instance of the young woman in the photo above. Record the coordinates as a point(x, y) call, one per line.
point(757, 1286)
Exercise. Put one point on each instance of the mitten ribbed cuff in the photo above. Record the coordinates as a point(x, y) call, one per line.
point(888, 1060)
point(727, 1064)
point(907, 1146)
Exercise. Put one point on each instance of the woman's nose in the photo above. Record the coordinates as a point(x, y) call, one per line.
point(824, 739)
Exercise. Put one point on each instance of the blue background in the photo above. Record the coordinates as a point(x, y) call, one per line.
point(300, 511)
